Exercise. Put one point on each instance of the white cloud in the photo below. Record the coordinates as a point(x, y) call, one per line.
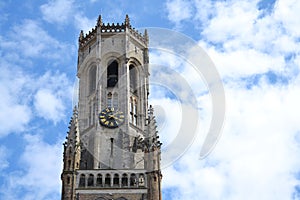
point(287, 12)
point(34, 42)
point(15, 113)
point(257, 156)
point(40, 178)
point(83, 23)
point(50, 98)
point(245, 62)
point(64, 12)
point(48, 92)
point(48, 105)
point(247, 41)
point(58, 11)
point(257, 150)
point(179, 10)
point(225, 24)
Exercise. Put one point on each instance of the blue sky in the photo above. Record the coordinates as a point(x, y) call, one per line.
point(255, 46)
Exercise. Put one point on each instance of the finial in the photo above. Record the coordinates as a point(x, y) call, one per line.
point(127, 21)
point(81, 35)
point(75, 110)
point(146, 35)
point(151, 110)
point(99, 21)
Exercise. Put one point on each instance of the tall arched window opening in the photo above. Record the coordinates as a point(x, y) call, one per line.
point(92, 79)
point(141, 180)
point(133, 77)
point(112, 74)
point(133, 180)
point(107, 180)
point(124, 180)
point(82, 180)
point(99, 180)
point(91, 180)
point(116, 180)
point(68, 180)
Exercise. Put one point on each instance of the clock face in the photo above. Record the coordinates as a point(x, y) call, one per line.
point(111, 118)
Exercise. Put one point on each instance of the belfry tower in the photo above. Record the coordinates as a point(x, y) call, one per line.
point(112, 149)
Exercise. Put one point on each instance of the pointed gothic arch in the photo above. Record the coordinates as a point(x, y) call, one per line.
point(116, 180)
point(82, 180)
point(133, 77)
point(99, 180)
point(124, 180)
point(112, 73)
point(107, 180)
point(92, 79)
point(91, 180)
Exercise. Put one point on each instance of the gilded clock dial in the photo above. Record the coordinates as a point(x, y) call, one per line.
point(111, 118)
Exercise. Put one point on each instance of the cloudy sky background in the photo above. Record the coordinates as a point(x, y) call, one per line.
point(255, 46)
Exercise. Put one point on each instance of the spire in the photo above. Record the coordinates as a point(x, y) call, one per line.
point(73, 133)
point(99, 21)
point(81, 35)
point(127, 21)
point(146, 35)
point(151, 110)
point(71, 158)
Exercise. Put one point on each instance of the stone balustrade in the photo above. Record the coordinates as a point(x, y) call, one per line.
point(111, 179)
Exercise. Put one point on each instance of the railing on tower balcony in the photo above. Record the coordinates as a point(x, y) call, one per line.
point(111, 179)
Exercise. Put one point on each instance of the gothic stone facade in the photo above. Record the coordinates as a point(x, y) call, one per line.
point(112, 149)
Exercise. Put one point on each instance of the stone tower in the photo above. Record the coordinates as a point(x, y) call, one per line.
point(112, 149)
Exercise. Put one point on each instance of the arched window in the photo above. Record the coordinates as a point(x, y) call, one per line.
point(68, 180)
point(107, 180)
point(133, 77)
point(82, 180)
point(99, 180)
point(141, 180)
point(116, 180)
point(112, 74)
point(91, 180)
point(92, 79)
point(133, 180)
point(69, 164)
point(124, 180)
